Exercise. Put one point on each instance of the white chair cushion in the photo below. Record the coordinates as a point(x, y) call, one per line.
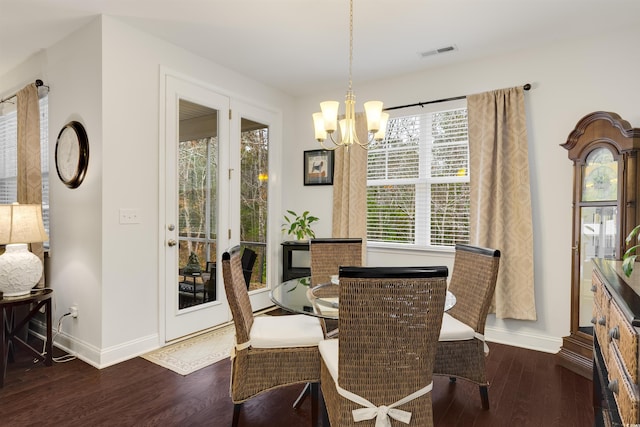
point(454, 330)
point(297, 330)
point(329, 353)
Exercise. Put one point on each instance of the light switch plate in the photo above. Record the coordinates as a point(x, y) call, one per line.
point(129, 216)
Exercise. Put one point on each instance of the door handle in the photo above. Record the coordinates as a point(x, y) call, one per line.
point(171, 242)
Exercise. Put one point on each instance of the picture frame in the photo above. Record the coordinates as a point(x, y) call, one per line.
point(318, 167)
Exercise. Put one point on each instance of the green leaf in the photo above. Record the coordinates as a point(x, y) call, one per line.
point(627, 264)
point(633, 234)
point(630, 251)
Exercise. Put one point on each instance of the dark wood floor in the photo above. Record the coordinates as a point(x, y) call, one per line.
point(527, 389)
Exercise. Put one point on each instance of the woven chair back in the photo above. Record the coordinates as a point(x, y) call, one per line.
point(328, 255)
point(390, 320)
point(237, 295)
point(473, 282)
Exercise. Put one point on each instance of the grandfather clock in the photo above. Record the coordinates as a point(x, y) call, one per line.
point(604, 150)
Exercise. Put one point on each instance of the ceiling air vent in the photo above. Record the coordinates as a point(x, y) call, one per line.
point(438, 51)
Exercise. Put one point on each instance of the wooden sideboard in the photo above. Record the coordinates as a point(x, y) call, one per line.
point(616, 319)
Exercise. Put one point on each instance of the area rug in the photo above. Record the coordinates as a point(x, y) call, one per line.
point(195, 353)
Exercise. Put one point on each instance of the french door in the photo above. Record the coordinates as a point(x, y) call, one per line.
point(197, 145)
point(215, 196)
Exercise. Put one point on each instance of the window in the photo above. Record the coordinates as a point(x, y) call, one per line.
point(9, 160)
point(418, 181)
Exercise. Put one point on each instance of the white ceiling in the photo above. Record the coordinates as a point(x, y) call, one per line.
point(301, 46)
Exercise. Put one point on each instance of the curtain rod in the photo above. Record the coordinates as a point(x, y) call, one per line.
point(38, 84)
point(526, 86)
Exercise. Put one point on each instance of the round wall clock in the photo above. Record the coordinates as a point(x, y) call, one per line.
point(72, 154)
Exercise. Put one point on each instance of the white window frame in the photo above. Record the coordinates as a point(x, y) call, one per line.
point(423, 183)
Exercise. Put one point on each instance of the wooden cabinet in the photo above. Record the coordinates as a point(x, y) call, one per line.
point(616, 320)
point(604, 150)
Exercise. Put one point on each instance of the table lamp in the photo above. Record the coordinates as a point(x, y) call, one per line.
point(20, 269)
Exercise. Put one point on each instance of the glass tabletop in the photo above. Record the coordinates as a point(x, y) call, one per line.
point(296, 295)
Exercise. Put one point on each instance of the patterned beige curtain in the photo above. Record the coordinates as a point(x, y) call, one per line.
point(29, 166)
point(350, 188)
point(500, 195)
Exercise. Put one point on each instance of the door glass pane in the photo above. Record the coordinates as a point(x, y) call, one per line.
point(197, 204)
point(598, 239)
point(254, 165)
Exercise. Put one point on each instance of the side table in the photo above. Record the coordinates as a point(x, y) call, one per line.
point(289, 271)
point(9, 340)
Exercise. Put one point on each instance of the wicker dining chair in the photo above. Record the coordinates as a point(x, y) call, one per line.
point(461, 347)
point(389, 323)
point(270, 351)
point(327, 255)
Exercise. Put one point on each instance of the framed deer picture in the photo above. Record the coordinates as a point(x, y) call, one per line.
point(318, 167)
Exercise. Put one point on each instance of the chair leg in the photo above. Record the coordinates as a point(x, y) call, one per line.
point(315, 397)
point(323, 410)
point(325, 417)
point(301, 396)
point(484, 397)
point(236, 414)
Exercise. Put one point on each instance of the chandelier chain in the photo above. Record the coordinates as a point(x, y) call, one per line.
point(350, 41)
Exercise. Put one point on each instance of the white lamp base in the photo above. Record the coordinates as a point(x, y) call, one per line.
point(20, 270)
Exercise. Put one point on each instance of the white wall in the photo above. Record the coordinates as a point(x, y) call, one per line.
point(73, 72)
point(106, 75)
point(570, 79)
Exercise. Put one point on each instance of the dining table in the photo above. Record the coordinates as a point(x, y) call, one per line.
point(297, 296)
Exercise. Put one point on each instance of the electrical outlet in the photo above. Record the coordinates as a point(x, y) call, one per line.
point(74, 311)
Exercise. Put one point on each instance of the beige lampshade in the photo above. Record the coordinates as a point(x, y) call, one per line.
point(373, 111)
point(330, 114)
point(318, 125)
point(21, 224)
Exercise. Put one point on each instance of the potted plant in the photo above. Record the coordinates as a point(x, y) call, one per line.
point(299, 225)
point(629, 257)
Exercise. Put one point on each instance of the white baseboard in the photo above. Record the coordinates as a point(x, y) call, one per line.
point(98, 358)
point(530, 341)
point(125, 351)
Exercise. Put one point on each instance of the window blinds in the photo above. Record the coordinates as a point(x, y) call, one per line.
point(418, 181)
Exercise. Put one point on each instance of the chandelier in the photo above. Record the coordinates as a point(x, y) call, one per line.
point(326, 122)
